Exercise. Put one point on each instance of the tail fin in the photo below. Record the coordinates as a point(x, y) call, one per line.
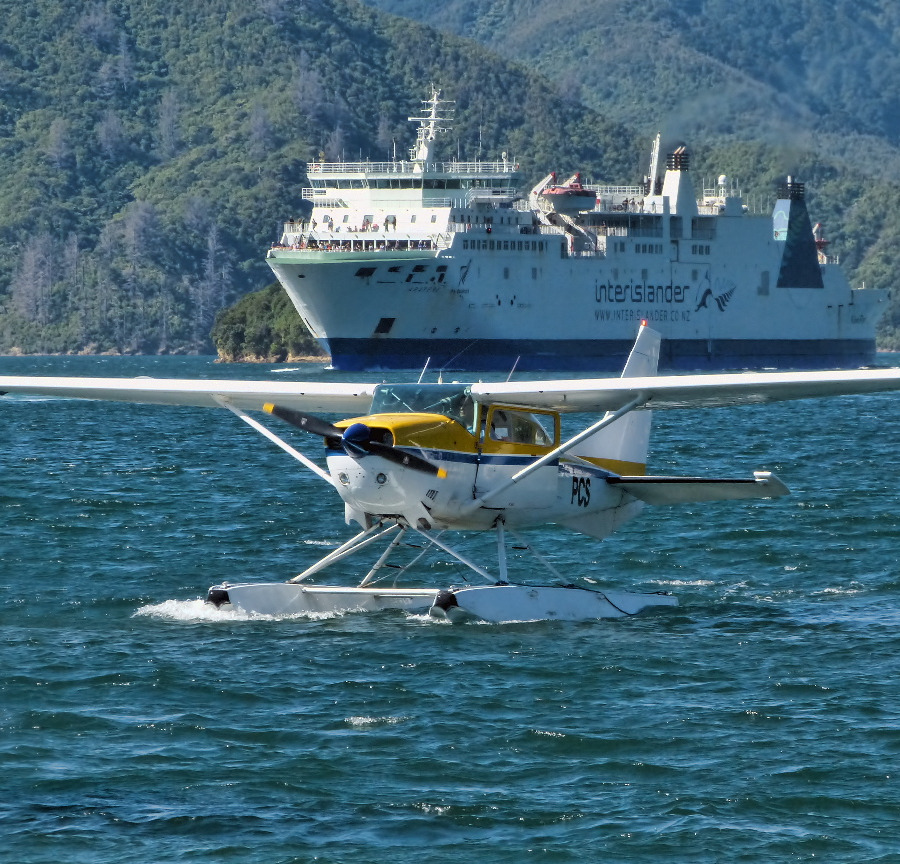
point(622, 446)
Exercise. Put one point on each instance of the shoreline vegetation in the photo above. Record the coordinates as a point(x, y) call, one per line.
point(290, 358)
point(264, 327)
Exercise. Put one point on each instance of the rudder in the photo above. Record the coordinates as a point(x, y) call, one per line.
point(622, 446)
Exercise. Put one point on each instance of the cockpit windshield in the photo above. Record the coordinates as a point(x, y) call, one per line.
point(451, 400)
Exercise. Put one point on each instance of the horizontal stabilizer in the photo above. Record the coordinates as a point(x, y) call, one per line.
point(682, 490)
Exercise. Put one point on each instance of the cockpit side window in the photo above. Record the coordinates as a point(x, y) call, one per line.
point(520, 427)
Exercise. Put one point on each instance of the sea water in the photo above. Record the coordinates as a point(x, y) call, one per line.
point(758, 721)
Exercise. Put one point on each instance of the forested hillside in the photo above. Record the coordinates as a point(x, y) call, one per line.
point(779, 70)
point(149, 152)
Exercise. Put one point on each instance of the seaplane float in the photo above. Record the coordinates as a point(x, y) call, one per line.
point(415, 461)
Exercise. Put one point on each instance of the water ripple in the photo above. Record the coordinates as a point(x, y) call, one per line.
point(757, 721)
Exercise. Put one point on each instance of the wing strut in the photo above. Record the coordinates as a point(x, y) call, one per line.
point(470, 564)
point(608, 418)
point(381, 561)
point(354, 544)
point(268, 433)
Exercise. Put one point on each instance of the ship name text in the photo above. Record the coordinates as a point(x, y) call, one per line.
point(641, 293)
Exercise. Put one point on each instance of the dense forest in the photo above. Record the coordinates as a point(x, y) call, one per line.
point(149, 153)
point(802, 72)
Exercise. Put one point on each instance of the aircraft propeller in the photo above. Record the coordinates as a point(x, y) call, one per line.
point(356, 439)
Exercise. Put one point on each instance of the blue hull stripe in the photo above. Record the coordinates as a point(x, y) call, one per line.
point(456, 456)
point(596, 355)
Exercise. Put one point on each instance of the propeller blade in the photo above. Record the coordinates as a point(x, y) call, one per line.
point(304, 421)
point(354, 439)
point(406, 460)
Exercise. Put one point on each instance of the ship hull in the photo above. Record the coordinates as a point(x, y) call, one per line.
point(483, 313)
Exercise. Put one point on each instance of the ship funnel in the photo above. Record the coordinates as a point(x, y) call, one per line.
point(680, 160)
point(792, 190)
point(792, 229)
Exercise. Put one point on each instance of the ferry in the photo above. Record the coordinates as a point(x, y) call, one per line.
point(419, 261)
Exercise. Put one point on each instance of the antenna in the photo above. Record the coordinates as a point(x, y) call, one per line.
point(422, 375)
point(430, 125)
point(457, 354)
point(513, 368)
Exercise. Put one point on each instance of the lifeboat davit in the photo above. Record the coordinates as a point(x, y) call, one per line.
point(568, 197)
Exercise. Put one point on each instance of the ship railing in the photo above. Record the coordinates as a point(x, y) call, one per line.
point(354, 243)
point(616, 191)
point(620, 204)
point(586, 253)
point(320, 197)
point(720, 192)
point(619, 231)
point(490, 193)
point(407, 167)
point(624, 205)
point(618, 198)
point(704, 209)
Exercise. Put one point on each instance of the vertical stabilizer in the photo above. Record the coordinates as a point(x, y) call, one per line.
point(622, 446)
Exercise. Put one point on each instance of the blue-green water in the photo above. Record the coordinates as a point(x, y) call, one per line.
point(759, 721)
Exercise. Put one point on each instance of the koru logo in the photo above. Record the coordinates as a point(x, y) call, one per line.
point(581, 491)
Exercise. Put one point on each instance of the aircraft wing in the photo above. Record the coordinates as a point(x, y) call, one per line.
point(686, 391)
point(575, 395)
point(332, 398)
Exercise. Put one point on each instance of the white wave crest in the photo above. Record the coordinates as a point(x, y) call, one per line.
point(192, 611)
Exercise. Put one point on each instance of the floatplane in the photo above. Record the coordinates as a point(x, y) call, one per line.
point(418, 460)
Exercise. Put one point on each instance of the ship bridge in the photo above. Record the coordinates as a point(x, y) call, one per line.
point(357, 184)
